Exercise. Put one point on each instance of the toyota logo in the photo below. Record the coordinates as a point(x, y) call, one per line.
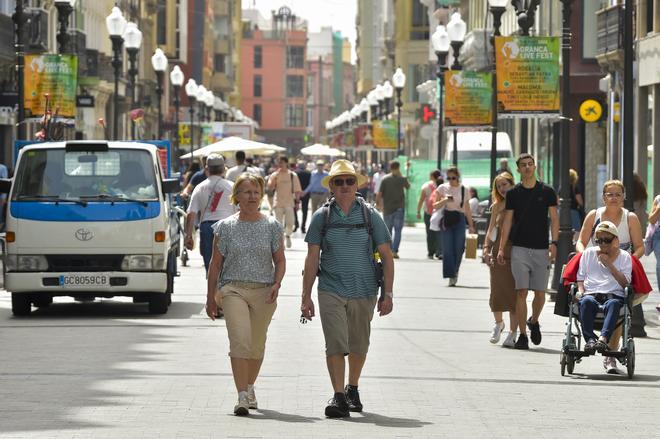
point(84, 235)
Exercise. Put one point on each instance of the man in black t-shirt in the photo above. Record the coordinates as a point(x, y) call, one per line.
point(526, 225)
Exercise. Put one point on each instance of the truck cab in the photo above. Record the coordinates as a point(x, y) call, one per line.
point(91, 219)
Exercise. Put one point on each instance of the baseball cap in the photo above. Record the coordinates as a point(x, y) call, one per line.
point(214, 160)
point(320, 162)
point(608, 227)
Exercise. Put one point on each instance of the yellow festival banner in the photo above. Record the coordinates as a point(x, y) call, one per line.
point(385, 134)
point(527, 75)
point(55, 75)
point(468, 98)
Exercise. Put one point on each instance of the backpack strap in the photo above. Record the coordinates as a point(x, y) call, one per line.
point(462, 195)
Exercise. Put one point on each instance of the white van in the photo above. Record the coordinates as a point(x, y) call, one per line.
point(476, 145)
point(91, 219)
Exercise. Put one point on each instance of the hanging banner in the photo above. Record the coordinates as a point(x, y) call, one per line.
point(384, 132)
point(55, 75)
point(468, 99)
point(527, 75)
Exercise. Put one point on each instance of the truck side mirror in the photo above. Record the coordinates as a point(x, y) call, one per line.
point(5, 185)
point(170, 186)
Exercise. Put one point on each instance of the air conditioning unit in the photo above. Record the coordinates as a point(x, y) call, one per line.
point(77, 43)
point(91, 65)
point(35, 32)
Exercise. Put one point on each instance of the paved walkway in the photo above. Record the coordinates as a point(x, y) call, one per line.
point(107, 369)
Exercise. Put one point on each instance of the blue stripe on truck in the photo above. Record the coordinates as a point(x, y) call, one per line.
point(94, 211)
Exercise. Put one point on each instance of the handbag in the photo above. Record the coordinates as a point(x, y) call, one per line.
point(648, 239)
point(436, 218)
point(452, 217)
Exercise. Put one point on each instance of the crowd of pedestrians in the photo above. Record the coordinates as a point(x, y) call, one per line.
point(352, 245)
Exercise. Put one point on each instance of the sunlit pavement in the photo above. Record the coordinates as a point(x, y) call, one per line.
point(109, 369)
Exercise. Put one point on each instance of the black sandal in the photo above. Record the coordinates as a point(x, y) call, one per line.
point(601, 346)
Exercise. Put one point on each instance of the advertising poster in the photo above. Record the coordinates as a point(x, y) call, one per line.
point(384, 134)
point(55, 75)
point(527, 75)
point(468, 98)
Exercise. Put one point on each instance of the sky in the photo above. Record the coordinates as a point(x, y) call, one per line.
point(340, 14)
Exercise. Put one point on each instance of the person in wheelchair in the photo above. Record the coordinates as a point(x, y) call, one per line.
point(602, 276)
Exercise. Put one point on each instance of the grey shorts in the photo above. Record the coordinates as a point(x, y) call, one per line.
point(530, 268)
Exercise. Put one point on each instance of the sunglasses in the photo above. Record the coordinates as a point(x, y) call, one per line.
point(452, 178)
point(603, 240)
point(341, 181)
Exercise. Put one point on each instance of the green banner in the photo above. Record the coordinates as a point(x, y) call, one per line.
point(468, 98)
point(527, 75)
point(52, 75)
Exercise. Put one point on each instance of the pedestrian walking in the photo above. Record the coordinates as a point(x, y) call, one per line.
point(304, 176)
point(342, 238)
point(248, 265)
point(391, 200)
point(502, 284)
point(452, 197)
point(526, 225)
point(504, 167)
point(376, 179)
point(653, 236)
point(630, 239)
point(640, 199)
point(241, 167)
point(195, 179)
point(474, 201)
point(433, 240)
point(286, 190)
point(209, 203)
point(317, 193)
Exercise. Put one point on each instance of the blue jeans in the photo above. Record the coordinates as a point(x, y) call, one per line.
point(394, 223)
point(589, 306)
point(656, 251)
point(206, 242)
point(433, 240)
point(453, 246)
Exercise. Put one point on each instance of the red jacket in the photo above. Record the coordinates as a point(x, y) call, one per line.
point(638, 280)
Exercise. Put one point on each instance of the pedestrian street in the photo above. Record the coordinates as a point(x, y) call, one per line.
point(109, 369)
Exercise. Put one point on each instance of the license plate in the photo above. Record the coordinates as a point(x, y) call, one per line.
point(84, 280)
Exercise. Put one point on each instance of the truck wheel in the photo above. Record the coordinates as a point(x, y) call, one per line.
point(158, 303)
point(21, 305)
point(41, 301)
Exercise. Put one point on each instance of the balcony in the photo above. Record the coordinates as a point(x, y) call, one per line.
point(220, 81)
point(610, 24)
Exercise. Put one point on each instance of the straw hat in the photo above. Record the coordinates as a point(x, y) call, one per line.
point(343, 167)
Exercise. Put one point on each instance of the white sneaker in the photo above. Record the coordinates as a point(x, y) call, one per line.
point(242, 407)
point(453, 281)
point(609, 363)
point(288, 242)
point(497, 332)
point(252, 399)
point(510, 340)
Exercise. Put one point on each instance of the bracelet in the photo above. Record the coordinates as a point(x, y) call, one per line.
point(390, 294)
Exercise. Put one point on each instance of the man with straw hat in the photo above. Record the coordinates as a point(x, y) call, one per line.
point(342, 238)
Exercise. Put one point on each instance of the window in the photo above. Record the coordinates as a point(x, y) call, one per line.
point(294, 86)
point(419, 29)
point(589, 39)
point(219, 63)
point(161, 29)
point(257, 57)
point(310, 118)
point(295, 57)
point(256, 87)
point(256, 113)
point(417, 73)
point(294, 115)
point(649, 16)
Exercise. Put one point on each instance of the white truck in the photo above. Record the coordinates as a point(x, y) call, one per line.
point(91, 219)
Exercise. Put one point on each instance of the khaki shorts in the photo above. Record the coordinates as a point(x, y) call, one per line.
point(346, 323)
point(247, 316)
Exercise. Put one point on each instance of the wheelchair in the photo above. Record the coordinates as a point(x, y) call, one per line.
point(572, 352)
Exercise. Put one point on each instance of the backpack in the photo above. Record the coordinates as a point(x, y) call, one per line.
point(367, 211)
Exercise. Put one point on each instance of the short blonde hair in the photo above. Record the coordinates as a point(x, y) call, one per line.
point(495, 194)
point(573, 176)
point(616, 183)
point(257, 180)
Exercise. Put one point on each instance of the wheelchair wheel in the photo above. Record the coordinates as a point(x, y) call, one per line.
point(630, 358)
point(562, 362)
point(570, 363)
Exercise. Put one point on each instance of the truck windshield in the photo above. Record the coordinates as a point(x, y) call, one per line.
point(109, 175)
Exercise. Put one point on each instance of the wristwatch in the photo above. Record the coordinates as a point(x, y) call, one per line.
point(390, 294)
point(555, 243)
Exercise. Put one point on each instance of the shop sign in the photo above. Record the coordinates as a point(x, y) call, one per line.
point(527, 75)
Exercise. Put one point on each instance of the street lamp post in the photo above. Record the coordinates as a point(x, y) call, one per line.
point(373, 104)
point(209, 99)
point(191, 92)
point(380, 97)
point(176, 78)
point(399, 81)
point(456, 29)
point(159, 63)
point(565, 244)
point(497, 9)
point(133, 41)
point(19, 21)
point(64, 9)
point(116, 24)
point(440, 42)
point(201, 100)
point(388, 91)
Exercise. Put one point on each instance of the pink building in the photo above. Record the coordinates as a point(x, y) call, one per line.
point(274, 79)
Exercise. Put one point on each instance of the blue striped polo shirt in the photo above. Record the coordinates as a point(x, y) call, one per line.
point(346, 266)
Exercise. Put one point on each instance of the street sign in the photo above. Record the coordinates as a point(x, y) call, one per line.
point(85, 101)
point(591, 110)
